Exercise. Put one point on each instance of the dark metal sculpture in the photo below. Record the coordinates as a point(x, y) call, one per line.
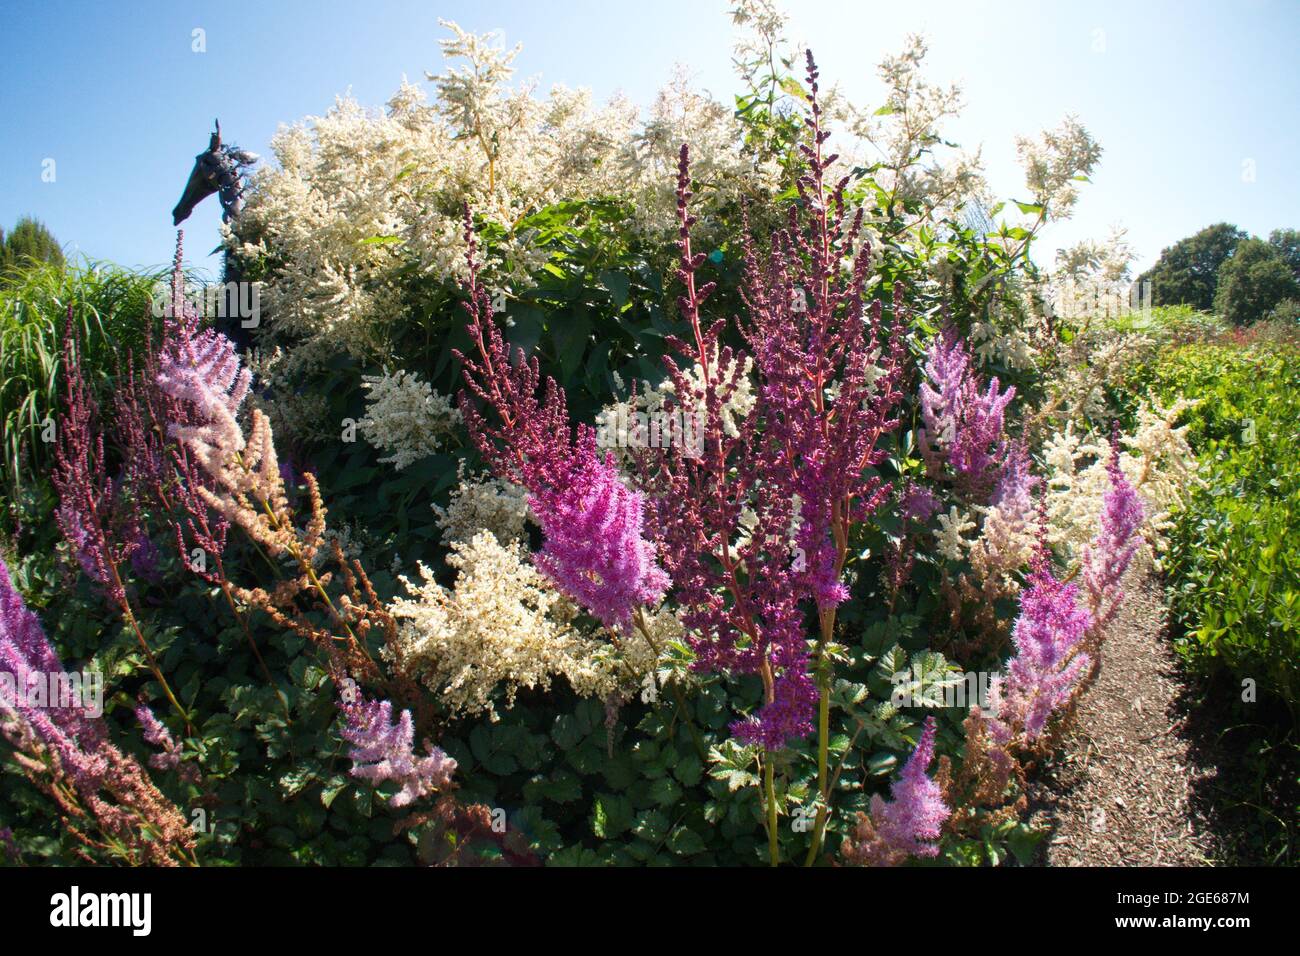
point(219, 169)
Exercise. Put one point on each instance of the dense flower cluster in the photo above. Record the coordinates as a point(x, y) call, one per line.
point(963, 421)
point(483, 504)
point(910, 822)
point(405, 417)
point(1109, 554)
point(1041, 676)
point(827, 383)
point(1008, 532)
point(1155, 459)
point(594, 551)
point(502, 627)
point(1055, 161)
point(383, 752)
point(360, 195)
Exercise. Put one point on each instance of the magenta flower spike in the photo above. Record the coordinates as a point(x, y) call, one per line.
point(1109, 554)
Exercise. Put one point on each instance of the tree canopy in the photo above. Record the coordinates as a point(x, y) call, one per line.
point(30, 239)
point(1254, 279)
point(1187, 272)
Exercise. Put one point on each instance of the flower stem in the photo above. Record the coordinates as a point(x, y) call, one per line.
point(823, 737)
point(769, 790)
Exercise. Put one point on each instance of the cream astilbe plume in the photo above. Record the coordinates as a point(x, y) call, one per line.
point(1157, 462)
point(502, 626)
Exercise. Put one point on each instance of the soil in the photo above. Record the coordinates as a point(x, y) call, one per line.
point(1124, 788)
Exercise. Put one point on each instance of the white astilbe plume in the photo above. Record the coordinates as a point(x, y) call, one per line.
point(1053, 163)
point(503, 627)
point(905, 133)
point(949, 538)
point(405, 417)
point(483, 504)
point(1009, 533)
point(1157, 461)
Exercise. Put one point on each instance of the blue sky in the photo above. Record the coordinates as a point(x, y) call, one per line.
point(1183, 96)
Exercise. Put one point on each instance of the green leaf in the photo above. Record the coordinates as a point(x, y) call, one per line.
point(610, 815)
point(665, 791)
point(618, 285)
point(684, 841)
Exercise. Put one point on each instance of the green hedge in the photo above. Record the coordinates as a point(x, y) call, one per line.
point(1234, 558)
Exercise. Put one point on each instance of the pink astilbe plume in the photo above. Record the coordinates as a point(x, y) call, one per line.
point(963, 419)
point(106, 800)
point(1108, 556)
point(201, 372)
point(919, 503)
point(382, 752)
point(910, 822)
point(102, 527)
point(800, 458)
point(89, 498)
point(594, 549)
point(1047, 665)
point(27, 657)
point(156, 733)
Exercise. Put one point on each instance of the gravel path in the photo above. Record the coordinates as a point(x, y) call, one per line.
point(1120, 791)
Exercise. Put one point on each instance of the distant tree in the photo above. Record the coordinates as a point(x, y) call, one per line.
point(1288, 310)
point(1188, 271)
point(4, 253)
point(1253, 280)
point(1287, 242)
point(31, 240)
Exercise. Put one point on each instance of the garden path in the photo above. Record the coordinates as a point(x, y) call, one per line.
point(1121, 790)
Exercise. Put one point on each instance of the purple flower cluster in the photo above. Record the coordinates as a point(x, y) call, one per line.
point(156, 733)
point(1047, 663)
point(382, 751)
point(963, 420)
point(594, 549)
point(88, 495)
point(26, 659)
point(1109, 554)
point(910, 822)
point(68, 754)
point(201, 374)
point(827, 388)
point(918, 503)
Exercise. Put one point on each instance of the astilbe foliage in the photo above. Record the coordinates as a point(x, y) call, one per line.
point(594, 550)
point(828, 382)
point(910, 822)
point(106, 801)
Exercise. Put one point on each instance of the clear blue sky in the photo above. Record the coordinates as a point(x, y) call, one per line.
point(1180, 94)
